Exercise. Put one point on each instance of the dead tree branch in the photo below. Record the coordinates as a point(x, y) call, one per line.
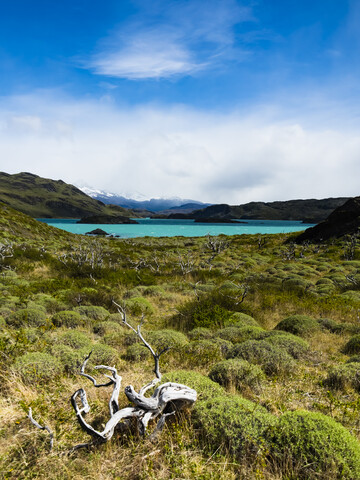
point(45, 427)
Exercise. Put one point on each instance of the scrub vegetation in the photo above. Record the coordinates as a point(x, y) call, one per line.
point(267, 332)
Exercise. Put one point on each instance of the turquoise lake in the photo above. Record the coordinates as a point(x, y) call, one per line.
point(186, 228)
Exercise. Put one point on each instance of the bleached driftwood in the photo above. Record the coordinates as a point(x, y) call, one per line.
point(164, 401)
point(45, 427)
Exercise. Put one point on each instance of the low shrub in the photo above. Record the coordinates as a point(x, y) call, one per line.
point(70, 359)
point(205, 388)
point(139, 306)
point(93, 312)
point(240, 319)
point(232, 423)
point(352, 346)
point(205, 352)
point(137, 352)
point(338, 328)
point(272, 359)
point(74, 339)
point(201, 333)
point(161, 339)
point(101, 354)
point(27, 317)
point(293, 345)
point(309, 445)
point(240, 334)
point(37, 367)
point(51, 304)
point(301, 325)
point(67, 318)
point(238, 374)
point(344, 376)
point(103, 328)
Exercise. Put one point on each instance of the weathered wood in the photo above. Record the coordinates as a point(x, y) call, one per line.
point(145, 409)
point(45, 427)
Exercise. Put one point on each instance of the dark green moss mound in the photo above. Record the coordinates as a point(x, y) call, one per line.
point(344, 376)
point(352, 346)
point(236, 373)
point(205, 388)
point(301, 325)
point(293, 345)
point(27, 317)
point(314, 446)
point(232, 423)
point(272, 359)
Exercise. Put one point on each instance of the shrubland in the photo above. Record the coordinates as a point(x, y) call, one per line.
point(266, 332)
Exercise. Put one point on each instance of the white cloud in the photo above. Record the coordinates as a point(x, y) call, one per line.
point(171, 39)
point(231, 158)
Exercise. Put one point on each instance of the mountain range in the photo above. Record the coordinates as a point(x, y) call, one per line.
point(140, 203)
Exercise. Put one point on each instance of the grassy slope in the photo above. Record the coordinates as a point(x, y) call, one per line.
point(148, 275)
point(42, 197)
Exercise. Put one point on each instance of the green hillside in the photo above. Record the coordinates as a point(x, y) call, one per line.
point(45, 198)
point(311, 210)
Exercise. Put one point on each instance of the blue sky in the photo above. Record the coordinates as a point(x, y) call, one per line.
point(217, 100)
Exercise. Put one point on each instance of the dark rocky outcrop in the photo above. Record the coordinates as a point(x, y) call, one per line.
point(107, 219)
point(97, 231)
point(345, 220)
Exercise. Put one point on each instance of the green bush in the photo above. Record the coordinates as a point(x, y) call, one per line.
point(161, 339)
point(344, 376)
point(232, 423)
point(240, 334)
point(236, 373)
point(293, 345)
point(139, 306)
point(2, 322)
point(74, 339)
point(154, 291)
point(67, 318)
point(240, 319)
point(272, 359)
point(352, 346)
point(354, 359)
point(313, 446)
point(93, 312)
point(205, 388)
point(70, 359)
point(103, 328)
point(301, 325)
point(27, 317)
point(37, 367)
point(205, 352)
point(338, 328)
point(51, 304)
point(204, 313)
point(137, 352)
point(101, 354)
point(201, 333)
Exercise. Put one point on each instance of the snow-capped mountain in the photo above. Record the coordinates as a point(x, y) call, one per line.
point(138, 201)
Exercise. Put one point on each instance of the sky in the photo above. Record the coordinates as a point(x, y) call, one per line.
point(223, 101)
